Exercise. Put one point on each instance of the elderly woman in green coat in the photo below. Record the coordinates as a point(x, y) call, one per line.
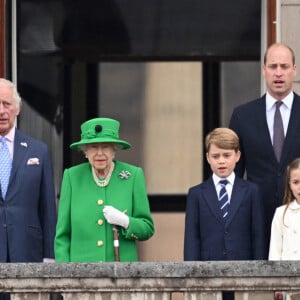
point(100, 200)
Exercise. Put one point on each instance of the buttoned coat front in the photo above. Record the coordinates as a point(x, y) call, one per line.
point(28, 213)
point(285, 233)
point(209, 237)
point(257, 154)
point(82, 233)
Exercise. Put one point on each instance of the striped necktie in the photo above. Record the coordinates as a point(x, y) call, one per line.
point(5, 166)
point(223, 198)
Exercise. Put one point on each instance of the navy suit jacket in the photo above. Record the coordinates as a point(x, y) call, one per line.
point(28, 213)
point(257, 154)
point(209, 237)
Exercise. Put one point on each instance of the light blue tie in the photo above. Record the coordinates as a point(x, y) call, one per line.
point(223, 198)
point(5, 166)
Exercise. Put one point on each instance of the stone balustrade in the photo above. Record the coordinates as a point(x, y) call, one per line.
point(150, 280)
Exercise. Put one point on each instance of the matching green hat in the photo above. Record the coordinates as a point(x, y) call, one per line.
point(100, 130)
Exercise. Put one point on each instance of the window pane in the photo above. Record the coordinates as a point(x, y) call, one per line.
point(160, 108)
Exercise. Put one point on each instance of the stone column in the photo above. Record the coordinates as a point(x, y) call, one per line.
point(173, 126)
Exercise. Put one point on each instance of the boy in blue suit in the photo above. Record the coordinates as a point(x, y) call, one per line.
point(224, 221)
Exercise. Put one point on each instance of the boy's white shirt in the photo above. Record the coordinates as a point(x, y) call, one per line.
point(229, 186)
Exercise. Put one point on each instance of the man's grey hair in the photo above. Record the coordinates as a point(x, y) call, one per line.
point(10, 84)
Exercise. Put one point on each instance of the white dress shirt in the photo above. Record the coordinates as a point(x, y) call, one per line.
point(229, 185)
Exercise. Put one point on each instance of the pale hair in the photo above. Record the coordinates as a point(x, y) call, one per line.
point(84, 147)
point(16, 95)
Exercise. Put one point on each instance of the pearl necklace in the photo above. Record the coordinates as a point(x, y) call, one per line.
point(105, 182)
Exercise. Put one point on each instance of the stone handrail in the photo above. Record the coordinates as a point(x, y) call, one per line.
point(161, 279)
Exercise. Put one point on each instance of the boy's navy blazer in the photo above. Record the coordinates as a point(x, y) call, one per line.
point(209, 237)
point(28, 214)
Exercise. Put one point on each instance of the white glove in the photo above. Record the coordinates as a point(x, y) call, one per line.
point(48, 260)
point(115, 217)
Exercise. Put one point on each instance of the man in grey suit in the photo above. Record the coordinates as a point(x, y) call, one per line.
point(254, 123)
point(27, 198)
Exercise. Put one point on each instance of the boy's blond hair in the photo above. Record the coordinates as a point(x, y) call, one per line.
point(223, 138)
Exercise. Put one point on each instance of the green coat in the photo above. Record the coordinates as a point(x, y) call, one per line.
point(82, 232)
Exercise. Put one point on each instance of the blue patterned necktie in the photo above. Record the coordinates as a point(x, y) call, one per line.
point(5, 166)
point(223, 198)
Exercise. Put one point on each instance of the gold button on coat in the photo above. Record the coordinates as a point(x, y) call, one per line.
point(100, 243)
point(100, 222)
point(100, 202)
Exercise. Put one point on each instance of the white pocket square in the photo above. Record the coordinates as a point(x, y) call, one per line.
point(33, 161)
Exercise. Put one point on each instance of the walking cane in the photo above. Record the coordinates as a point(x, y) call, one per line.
point(116, 242)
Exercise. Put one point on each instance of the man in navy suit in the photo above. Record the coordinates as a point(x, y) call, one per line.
point(233, 230)
point(253, 122)
point(27, 208)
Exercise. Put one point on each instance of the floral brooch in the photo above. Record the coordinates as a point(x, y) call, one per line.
point(124, 174)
